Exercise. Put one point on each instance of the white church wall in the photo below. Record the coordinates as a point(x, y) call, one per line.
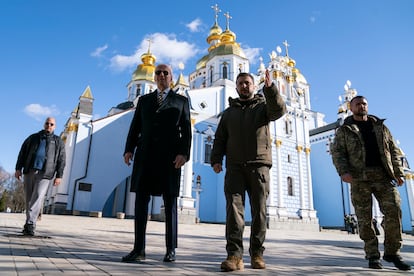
point(105, 167)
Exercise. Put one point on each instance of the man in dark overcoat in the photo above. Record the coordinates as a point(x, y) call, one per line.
point(159, 139)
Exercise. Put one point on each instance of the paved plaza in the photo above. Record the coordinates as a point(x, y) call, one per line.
point(78, 245)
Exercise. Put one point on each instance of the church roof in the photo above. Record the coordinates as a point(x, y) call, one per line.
point(87, 93)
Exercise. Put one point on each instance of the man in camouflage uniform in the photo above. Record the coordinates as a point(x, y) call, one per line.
point(366, 156)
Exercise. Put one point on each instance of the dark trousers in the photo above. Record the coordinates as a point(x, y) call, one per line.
point(141, 218)
point(239, 179)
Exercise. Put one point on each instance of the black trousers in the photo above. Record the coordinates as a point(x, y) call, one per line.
point(141, 218)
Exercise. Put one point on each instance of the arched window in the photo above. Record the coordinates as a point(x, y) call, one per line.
point(208, 145)
point(288, 126)
point(290, 186)
point(138, 91)
point(225, 70)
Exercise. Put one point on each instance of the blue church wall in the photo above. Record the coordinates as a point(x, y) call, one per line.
point(405, 208)
point(212, 199)
point(327, 188)
point(210, 194)
point(116, 201)
point(109, 203)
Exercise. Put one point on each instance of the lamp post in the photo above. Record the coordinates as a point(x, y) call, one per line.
point(197, 189)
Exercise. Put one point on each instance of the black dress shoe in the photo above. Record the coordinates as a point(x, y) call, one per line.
point(134, 256)
point(374, 264)
point(398, 262)
point(169, 256)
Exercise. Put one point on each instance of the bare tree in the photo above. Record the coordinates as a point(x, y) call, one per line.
point(11, 192)
point(17, 200)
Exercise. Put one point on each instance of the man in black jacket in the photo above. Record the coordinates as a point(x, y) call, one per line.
point(41, 158)
point(243, 136)
point(160, 139)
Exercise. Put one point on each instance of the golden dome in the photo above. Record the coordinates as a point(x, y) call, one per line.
point(341, 110)
point(291, 62)
point(145, 71)
point(228, 36)
point(214, 37)
point(298, 76)
point(215, 30)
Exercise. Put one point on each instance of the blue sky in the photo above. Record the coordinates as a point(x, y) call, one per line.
point(50, 51)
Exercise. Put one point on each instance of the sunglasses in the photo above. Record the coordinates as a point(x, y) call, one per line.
point(158, 72)
point(49, 124)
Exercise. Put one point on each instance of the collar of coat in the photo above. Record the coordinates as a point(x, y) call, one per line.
point(350, 120)
point(257, 98)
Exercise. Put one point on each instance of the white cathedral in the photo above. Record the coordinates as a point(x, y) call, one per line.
point(305, 190)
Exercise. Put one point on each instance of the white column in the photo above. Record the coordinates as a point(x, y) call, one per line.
point(301, 186)
point(280, 200)
point(281, 209)
point(312, 211)
point(271, 201)
point(310, 188)
point(188, 176)
point(186, 199)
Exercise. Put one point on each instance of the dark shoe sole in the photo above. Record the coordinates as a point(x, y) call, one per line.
point(168, 259)
point(133, 258)
point(398, 262)
point(375, 264)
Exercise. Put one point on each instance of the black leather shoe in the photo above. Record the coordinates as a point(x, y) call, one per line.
point(374, 264)
point(133, 257)
point(398, 262)
point(169, 256)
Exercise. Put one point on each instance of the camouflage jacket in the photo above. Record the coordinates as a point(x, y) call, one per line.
point(348, 149)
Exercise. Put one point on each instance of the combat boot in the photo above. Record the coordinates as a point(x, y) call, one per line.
point(232, 263)
point(257, 262)
point(398, 262)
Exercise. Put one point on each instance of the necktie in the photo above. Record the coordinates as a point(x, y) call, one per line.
point(160, 97)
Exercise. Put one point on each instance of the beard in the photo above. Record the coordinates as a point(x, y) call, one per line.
point(361, 113)
point(246, 96)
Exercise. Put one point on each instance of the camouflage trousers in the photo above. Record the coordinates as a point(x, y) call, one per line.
point(377, 183)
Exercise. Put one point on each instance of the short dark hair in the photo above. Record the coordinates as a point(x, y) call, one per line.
point(357, 97)
point(244, 74)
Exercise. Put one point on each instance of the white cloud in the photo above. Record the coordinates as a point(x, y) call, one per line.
point(165, 47)
point(40, 112)
point(98, 51)
point(195, 25)
point(120, 63)
point(252, 54)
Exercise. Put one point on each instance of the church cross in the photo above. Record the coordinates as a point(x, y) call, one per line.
point(286, 46)
point(227, 15)
point(216, 11)
point(149, 44)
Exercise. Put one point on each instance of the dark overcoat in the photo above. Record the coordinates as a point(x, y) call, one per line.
point(156, 136)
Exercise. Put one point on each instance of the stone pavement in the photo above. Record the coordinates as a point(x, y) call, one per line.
point(75, 245)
